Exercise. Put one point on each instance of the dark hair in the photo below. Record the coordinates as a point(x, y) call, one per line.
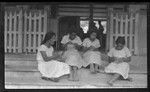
point(71, 31)
point(120, 40)
point(47, 37)
point(91, 31)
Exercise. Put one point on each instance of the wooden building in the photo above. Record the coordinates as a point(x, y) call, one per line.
point(26, 24)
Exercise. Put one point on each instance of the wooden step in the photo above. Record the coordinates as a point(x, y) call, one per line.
point(33, 79)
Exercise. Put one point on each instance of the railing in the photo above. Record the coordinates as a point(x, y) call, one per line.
point(124, 24)
point(24, 30)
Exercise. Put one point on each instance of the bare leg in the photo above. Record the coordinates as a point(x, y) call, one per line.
point(115, 77)
point(96, 68)
point(76, 78)
point(101, 69)
point(92, 68)
point(71, 74)
point(128, 79)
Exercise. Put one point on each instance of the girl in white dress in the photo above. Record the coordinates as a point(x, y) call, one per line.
point(119, 56)
point(48, 65)
point(92, 56)
point(71, 55)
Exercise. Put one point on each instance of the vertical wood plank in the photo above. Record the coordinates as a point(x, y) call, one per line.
point(111, 30)
point(45, 22)
point(34, 35)
point(126, 25)
point(29, 33)
point(108, 29)
point(5, 31)
point(10, 26)
point(20, 32)
point(39, 17)
point(131, 27)
point(117, 23)
point(15, 32)
point(136, 33)
point(121, 24)
point(25, 30)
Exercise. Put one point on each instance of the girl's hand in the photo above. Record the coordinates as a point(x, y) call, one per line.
point(56, 55)
point(91, 48)
point(115, 59)
point(124, 59)
point(119, 60)
point(60, 59)
point(69, 42)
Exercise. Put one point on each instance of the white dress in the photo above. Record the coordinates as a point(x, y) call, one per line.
point(53, 68)
point(120, 68)
point(92, 56)
point(71, 55)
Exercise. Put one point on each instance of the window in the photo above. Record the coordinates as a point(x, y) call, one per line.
point(84, 24)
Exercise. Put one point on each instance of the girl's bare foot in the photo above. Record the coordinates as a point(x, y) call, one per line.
point(70, 79)
point(54, 79)
point(44, 78)
point(110, 83)
point(129, 79)
point(101, 71)
point(76, 80)
point(93, 72)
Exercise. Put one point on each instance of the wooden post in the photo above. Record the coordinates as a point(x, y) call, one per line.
point(91, 16)
point(109, 27)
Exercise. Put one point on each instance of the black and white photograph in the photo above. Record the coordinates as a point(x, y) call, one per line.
point(75, 45)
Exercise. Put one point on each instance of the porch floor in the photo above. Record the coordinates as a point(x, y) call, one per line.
point(21, 72)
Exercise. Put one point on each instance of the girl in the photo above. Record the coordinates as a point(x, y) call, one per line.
point(72, 56)
point(92, 56)
point(48, 65)
point(71, 37)
point(119, 56)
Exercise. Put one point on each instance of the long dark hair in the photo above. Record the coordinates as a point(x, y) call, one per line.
point(47, 37)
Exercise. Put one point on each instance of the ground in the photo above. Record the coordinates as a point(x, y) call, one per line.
point(21, 72)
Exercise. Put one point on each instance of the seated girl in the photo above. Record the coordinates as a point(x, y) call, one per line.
point(74, 60)
point(48, 65)
point(72, 56)
point(92, 56)
point(119, 56)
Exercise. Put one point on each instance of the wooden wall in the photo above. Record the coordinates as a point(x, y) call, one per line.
point(142, 37)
